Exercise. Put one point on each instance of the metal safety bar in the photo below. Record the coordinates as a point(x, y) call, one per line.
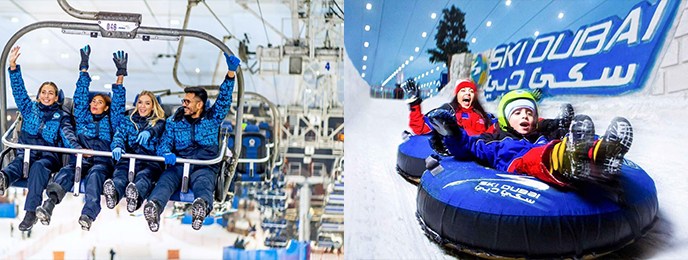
point(79, 153)
point(142, 31)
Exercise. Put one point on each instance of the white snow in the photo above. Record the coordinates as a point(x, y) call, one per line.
point(380, 210)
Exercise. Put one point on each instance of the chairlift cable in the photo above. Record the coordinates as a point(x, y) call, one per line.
point(218, 19)
point(340, 9)
point(485, 18)
point(531, 18)
point(263, 20)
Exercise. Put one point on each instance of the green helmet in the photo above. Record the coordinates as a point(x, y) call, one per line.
point(512, 96)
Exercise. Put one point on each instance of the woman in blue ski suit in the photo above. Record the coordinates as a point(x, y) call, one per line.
point(95, 119)
point(44, 123)
point(138, 134)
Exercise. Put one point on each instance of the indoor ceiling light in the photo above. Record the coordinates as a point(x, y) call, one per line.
point(508, 2)
point(197, 70)
point(14, 19)
point(417, 49)
point(45, 41)
point(64, 55)
point(364, 67)
point(473, 40)
point(362, 75)
point(365, 44)
point(107, 86)
point(96, 77)
point(367, 27)
point(424, 34)
point(536, 33)
point(406, 62)
point(489, 23)
point(365, 57)
point(433, 15)
point(411, 58)
point(369, 6)
point(174, 22)
point(561, 15)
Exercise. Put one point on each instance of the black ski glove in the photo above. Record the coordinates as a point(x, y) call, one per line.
point(411, 91)
point(437, 144)
point(120, 58)
point(444, 122)
point(85, 52)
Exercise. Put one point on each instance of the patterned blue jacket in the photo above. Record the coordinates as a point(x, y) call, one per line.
point(95, 132)
point(126, 134)
point(42, 125)
point(197, 139)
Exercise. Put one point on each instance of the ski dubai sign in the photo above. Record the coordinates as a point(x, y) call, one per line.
point(609, 57)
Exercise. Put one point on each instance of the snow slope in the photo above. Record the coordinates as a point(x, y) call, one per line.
point(380, 209)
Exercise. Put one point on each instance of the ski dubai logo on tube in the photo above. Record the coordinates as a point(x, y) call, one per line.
point(609, 57)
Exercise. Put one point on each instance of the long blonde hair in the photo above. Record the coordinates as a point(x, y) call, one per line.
point(158, 112)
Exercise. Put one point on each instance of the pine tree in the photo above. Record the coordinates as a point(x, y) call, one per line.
point(450, 37)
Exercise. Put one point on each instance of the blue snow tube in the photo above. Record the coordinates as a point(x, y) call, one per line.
point(492, 213)
point(411, 157)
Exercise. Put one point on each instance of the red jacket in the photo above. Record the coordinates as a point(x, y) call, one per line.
point(469, 119)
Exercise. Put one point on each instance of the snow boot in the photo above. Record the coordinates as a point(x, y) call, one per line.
point(151, 211)
point(199, 210)
point(608, 152)
point(569, 158)
point(111, 196)
point(3, 183)
point(132, 195)
point(28, 221)
point(45, 211)
point(85, 222)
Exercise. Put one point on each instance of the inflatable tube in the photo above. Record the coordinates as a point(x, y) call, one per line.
point(492, 213)
point(411, 157)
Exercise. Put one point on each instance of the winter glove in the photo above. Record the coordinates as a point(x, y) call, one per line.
point(170, 158)
point(85, 52)
point(444, 122)
point(412, 95)
point(143, 137)
point(117, 153)
point(232, 62)
point(120, 58)
point(437, 145)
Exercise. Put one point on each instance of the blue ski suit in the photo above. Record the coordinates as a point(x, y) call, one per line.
point(42, 125)
point(193, 139)
point(125, 138)
point(94, 132)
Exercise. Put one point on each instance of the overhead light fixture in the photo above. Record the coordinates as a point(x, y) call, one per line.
point(438, 68)
point(417, 49)
point(473, 40)
point(9, 117)
point(367, 27)
point(426, 73)
point(411, 58)
point(362, 75)
point(444, 65)
point(489, 23)
point(433, 15)
point(406, 62)
point(197, 70)
point(369, 6)
point(96, 77)
point(424, 34)
point(14, 19)
point(432, 71)
point(64, 55)
point(107, 86)
point(403, 65)
point(174, 22)
point(508, 2)
point(45, 41)
point(366, 44)
point(364, 67)
point(536, 33)
point(365, 57)
point(561, 15)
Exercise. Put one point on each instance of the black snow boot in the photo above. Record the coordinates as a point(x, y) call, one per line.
point(45, 211)
point(151, 211)
point(111, 196)
point(132, 195)
point(199, 210)
point(570, 157)
point(3, 183)
point(85, 222)
point(29, 221)
point(609, 151)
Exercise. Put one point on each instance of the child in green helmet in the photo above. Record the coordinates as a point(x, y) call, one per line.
point(556, 151)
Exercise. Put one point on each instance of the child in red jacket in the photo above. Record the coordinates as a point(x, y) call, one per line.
point(470, 115)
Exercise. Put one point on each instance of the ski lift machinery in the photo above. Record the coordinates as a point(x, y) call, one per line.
point(122, 26)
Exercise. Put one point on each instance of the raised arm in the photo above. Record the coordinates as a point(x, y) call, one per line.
point(82, 114)
point(119, 93)
point(21, 97)
point(224, 99)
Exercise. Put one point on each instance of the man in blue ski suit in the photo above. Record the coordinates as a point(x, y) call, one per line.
point(192, 133)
